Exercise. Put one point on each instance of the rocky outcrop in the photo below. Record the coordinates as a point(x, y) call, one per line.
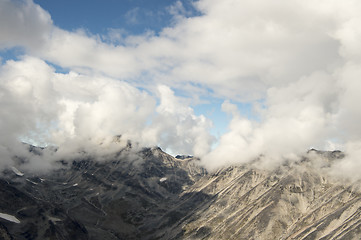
point(292, 202)
point(123, 196)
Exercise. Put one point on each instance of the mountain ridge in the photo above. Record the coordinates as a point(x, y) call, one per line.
point(152, 195)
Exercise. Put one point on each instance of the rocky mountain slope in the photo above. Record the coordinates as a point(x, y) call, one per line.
point(152, 195)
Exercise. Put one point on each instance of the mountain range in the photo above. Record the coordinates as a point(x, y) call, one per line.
point(149, 194)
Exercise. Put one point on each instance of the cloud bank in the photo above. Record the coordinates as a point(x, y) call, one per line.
point(74, 111)
point(296, 62)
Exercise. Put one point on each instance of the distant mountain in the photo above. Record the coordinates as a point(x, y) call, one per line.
point(152, 195)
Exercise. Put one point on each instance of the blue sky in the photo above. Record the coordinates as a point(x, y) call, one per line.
point(97, 17)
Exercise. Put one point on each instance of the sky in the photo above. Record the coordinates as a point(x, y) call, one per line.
point(227, 81)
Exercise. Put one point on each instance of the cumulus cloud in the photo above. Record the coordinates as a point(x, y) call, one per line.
point(76, 112)
point(297, 62)
point(295, 118)
point(23, 23)
point(178, 126)
point(239, 54)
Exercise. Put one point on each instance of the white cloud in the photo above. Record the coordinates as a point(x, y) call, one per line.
point(76, 111)
point(23, 23)
point(238, 55)
point(28, 100)
point(301, 58)
point(179, 127)
point(297, 117)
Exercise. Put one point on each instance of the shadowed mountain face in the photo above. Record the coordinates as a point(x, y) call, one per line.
point(151, 195)
point(124, 196)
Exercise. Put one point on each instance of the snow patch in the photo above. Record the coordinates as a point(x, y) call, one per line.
point(9, 217)
point(17, 172)
point(31, 181)
point(162, 179)
point(54, 219)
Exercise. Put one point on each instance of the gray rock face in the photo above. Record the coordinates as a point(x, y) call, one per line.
point(124, 196)
point(151, 195)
